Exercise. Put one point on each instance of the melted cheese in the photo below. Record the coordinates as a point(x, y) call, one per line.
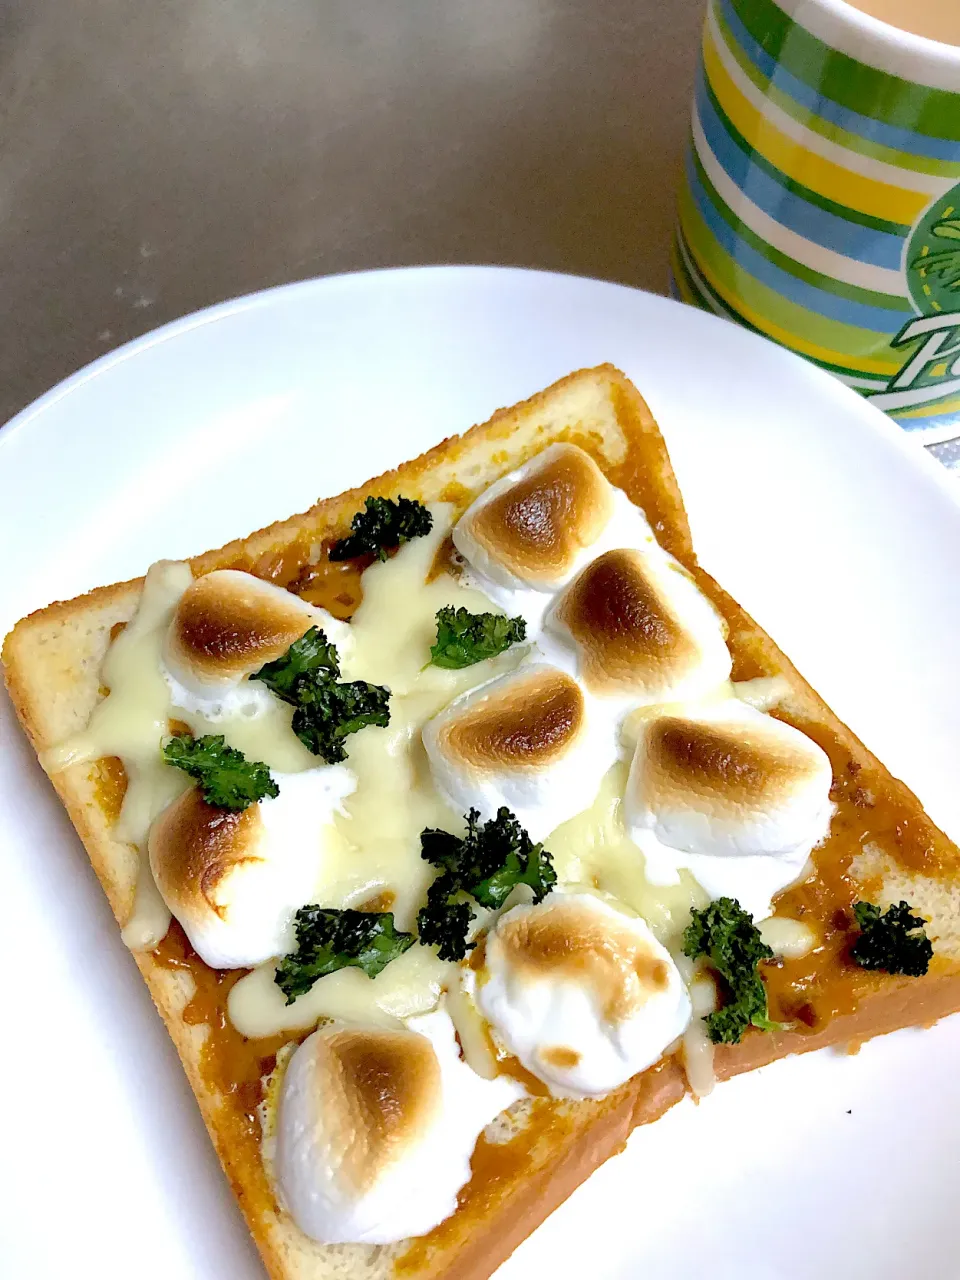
point(132, 721)
point(395, 799)
point(409, 985)
point(593, 850)
point(787, 938)
point(373, 849)
point(763, 693)
point(377, 846)
point(696, 1048)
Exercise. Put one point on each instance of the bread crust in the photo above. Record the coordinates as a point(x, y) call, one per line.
point(51, 664)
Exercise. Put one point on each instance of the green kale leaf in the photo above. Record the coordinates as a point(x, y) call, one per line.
point(893, 942)
point(329, 939)
point(487, 863)
point(326, 710)
point(445, 920)
point(383, 524)
point(464, 638)
point(727, 937)
point(227, 778)
point(311, 655)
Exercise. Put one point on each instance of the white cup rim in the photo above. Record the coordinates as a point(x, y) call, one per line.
point(918, 59)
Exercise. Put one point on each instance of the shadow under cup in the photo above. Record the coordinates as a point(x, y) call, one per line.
point(820, 203)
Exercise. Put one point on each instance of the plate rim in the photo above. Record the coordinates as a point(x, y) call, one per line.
point(912, 451)
point(828, 392)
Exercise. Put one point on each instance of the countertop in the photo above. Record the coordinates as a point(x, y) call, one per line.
point(159, 157)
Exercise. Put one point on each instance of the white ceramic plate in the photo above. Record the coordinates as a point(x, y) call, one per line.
point(841, 537)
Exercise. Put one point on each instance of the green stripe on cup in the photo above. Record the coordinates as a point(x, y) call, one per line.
point(688, 288)
point(796, 188)
point(732, 282)
point(698, 288)
point(699, 293)
point(852, 84)
point(825, 128)
point(853, 293)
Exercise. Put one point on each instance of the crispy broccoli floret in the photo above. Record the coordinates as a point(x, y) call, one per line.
point(445, 921)
point(308, 657)
point(329, 712)
point(326, 710)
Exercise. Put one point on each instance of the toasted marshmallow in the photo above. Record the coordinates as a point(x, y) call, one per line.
point(235, 880)
point(375, 1129)
point(525, 740)
point(582, 993)
point(227, 625)
point(637, 630)
point(530, 532)
point(736, 797)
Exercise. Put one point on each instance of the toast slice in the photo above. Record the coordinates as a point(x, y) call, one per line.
point(882, 848)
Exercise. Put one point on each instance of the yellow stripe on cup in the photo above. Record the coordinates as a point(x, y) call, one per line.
point(851, 190)
point(731, 283)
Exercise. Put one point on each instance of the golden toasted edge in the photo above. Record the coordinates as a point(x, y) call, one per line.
point(562, 1158)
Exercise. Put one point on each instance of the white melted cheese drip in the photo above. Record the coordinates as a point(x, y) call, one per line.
point(130, 723)
point(133, 720)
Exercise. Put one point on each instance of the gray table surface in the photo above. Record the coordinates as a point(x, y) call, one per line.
point(156, 157)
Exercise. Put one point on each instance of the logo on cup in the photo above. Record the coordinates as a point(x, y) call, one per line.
point(932, 267)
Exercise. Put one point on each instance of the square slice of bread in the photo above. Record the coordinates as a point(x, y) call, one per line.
point(882, 848)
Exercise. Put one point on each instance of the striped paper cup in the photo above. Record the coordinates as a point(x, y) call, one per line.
point(820, 203)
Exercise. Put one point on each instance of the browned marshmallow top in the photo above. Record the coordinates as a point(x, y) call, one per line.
point(228, 624)
point(377, 1090)
point(194, 846)
point(628, 635)
point(529, 721)
point(740, 766)
point(564, 940)
point(536, 527)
